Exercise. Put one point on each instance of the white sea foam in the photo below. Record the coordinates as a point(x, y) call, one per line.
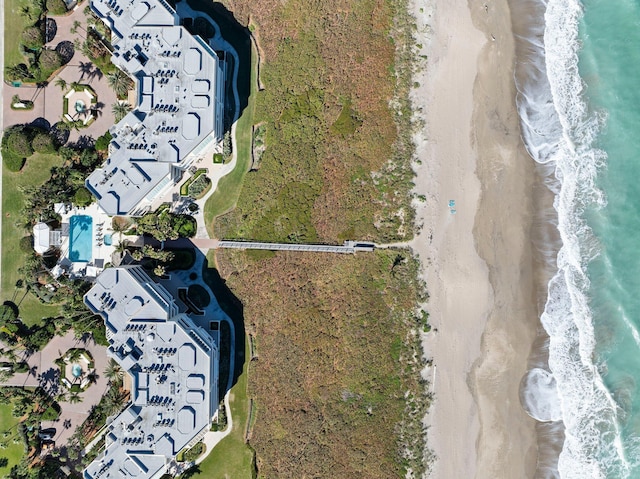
point(539, 395)
point(559, 131)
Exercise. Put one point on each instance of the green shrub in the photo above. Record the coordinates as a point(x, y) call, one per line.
point(194, 453)
point(82, 197)
point(21, 367)
point(28, 105)
point(18, 143)
point(7, 315)
point(43, 143)
point(199, 187)
point(13, 162)
point(56, 7)
point(50, 60)
point(50, 414)
point(218, 158)
point(26, 244)
point(33, 38)
point(102, 143)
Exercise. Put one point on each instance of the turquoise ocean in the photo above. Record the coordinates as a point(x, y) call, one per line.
point(578, 79)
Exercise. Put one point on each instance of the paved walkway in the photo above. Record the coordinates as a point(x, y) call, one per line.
point(48, 100)
point(46, 374)
point(212, 438)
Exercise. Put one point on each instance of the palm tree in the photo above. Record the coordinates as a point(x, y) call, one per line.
point(122, 247)
point(113, 372)
point(114, 400)
point(74, 355)
point(16, 72)
point(120, 110)
point(119, 83)
point(74, 398)
point(119, 225)
point(76, 25)
point(62, 83)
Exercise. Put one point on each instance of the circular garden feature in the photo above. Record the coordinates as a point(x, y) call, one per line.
point(78, 104)
point(76, 369)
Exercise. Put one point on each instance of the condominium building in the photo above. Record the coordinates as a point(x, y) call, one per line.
point(173, 367)
point(180, 104)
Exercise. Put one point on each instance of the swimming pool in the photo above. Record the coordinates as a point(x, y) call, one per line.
point(107, 240)
point(80, 238)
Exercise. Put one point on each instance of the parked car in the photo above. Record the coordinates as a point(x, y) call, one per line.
point(47, 434)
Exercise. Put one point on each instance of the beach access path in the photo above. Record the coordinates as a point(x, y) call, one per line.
point(477, 259)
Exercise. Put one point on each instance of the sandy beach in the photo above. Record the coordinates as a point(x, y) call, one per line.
point(477, 259)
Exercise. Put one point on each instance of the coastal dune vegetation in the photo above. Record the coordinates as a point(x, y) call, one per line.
point(334, 377)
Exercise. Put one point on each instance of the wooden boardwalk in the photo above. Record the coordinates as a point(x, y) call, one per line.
point(349, 247)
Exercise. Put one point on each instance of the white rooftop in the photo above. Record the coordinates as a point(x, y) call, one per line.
point(173, 366)
point(41, 241)
point(178, 108)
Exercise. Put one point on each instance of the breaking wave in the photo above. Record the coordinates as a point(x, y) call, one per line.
point(560, 134)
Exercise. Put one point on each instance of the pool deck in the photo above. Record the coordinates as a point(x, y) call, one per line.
point(99, 251)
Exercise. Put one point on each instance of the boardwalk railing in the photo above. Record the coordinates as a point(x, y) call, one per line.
point(348, 246)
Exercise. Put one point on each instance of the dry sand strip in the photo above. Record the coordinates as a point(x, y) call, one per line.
point(477, 261)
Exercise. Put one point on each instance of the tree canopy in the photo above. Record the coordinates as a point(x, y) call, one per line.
point(33, 37)
point(43, 143)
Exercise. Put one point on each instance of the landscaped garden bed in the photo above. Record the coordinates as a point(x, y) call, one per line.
point(197, 186)
point(190, 455)
point(77, 369)
point(78, 105)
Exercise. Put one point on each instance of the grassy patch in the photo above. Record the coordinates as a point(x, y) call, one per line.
point(232, 457)
point(35, 172)
point(347, 122)
point(13, 452)
point(225, 198)
point(14, 25)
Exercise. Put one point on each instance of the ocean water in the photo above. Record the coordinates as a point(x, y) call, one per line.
point(578, 78)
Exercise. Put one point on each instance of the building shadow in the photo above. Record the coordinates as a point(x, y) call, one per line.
point(234, 308)
point(201, 272)
point(239, 37)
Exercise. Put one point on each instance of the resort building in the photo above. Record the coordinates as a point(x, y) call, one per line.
point(180, 105)
point(173, 365)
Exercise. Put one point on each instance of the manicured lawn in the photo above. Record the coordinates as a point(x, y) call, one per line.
point(14, 24)
point(13, 452)
point(232, 457)
point(35, 172)
point(225, 197)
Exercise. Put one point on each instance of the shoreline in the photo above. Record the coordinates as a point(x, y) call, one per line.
point(477, 263)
